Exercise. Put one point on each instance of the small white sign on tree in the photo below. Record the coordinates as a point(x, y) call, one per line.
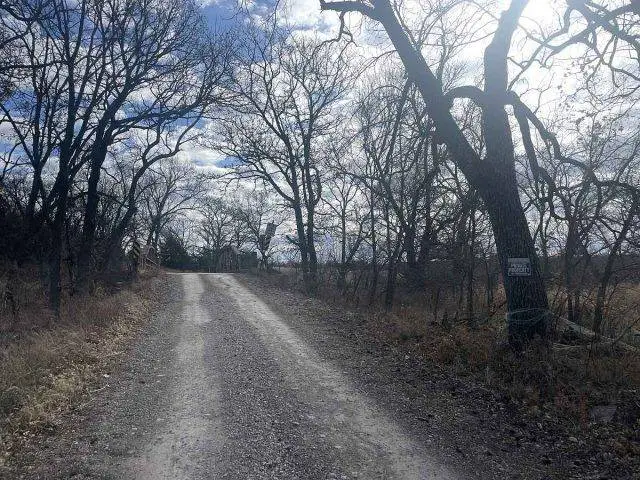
point(518, 267)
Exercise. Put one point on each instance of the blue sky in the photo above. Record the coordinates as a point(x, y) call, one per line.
point(220, 13)
point(299, 14)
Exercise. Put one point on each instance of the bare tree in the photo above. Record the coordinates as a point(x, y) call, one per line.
point(217, 230)
point(255, 210)
point(493, 176)
point(169, 190)
point(51, 115)
point(347, 213)
point(289, 90)
point(131, 171)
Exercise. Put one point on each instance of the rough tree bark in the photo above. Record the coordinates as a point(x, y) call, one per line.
point(98, 156)
point(494, 176)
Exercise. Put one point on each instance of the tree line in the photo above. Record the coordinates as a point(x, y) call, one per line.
point(95, 95)
point(435, 164)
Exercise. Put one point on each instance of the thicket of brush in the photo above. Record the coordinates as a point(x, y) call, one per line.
point(47, 366)
point(569, 374)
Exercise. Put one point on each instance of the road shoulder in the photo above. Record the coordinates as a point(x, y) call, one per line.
point(473, 427)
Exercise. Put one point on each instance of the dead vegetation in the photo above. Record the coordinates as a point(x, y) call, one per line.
point(574, 385)
point(47, 366)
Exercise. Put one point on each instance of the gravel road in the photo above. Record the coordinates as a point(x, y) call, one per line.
point(222, 387)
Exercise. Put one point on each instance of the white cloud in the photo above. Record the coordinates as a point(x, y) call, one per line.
point(203, 158)
point(306, 14)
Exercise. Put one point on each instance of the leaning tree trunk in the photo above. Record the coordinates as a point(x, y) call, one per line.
point(526, 295)
point(493, 177)
point(87, 239)
point(98, 155)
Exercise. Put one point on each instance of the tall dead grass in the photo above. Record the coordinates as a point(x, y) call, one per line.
point(571, 382)
point(538, 379)
point(47, 366)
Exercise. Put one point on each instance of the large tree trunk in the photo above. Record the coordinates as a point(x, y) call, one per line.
point(374, 252)
point(55, 261)
point(424, 251)
point(489, 284)
point(87, 240)
point(57, 242)
point(311, 249)
point(415, 269)
point(526, 295)
point(88, 230)
point(34, 193)
point(569, 266)
point(342, 268)
point(493, 177)
point(393, 259)
point(115, 241)
point(470, 271)
point(302, 244)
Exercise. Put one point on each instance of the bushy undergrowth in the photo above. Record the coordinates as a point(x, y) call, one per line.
point(48, 365)
point(541, 378)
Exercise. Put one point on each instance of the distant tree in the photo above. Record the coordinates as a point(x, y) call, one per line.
point(288, 91)
point(169, 190)
point(174, 252)
point(348, 219)
point(217, 229)
point(254, 210)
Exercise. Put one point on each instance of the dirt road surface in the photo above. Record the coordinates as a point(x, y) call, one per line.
point(223, 387)
point(235, 377)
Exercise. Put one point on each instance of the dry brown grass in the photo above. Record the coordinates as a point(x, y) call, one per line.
point(539, 378)
point(46, 370)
